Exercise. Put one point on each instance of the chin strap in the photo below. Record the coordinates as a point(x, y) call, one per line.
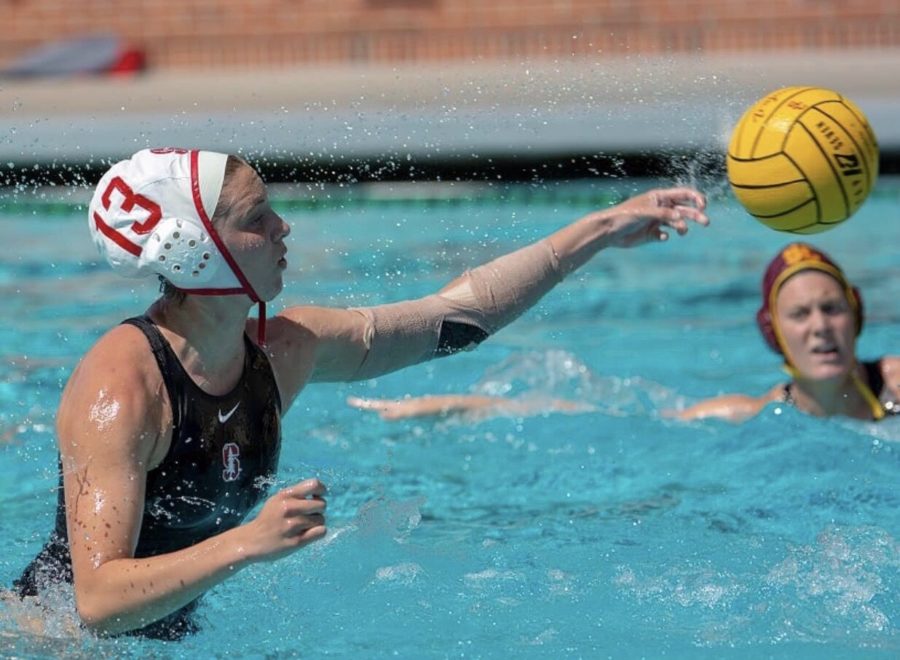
point(864, 390)
point(261, 325)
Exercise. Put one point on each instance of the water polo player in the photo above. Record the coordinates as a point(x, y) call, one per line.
point(169, 427)
point(811, 315)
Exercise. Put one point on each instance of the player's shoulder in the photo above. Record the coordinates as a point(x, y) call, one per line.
point(734, 407)
point(891, 364)
point(125, 339)
point(776, 393)
point(305, 327)
point(116, 391)
point(890, 371)
point(742, 406)
point(123, 353)
point(119, 372)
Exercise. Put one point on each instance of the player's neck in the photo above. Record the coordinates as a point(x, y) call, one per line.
point(830, 397)
point(206, 333)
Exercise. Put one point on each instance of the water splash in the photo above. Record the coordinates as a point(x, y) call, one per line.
point(833, 590)
point(836, 584)
point(542, 376)
point(104, 411)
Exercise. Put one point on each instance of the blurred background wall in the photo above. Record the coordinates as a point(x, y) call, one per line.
point(380, 89)
point(280, 33)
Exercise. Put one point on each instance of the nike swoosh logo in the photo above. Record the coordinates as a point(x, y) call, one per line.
point(224, 418)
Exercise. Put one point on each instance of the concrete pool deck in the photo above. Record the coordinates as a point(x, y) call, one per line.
point(431, 112)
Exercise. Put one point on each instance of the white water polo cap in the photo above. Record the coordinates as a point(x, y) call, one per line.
point(151, 214)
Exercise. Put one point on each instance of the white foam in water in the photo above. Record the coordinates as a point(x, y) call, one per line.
point(830, 591)
point(400, 573)
point(841, 575)
point(542, 376)
point(704, 587)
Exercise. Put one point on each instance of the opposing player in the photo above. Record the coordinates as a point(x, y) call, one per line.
point(811, 315)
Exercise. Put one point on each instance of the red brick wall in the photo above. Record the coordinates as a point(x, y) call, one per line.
point(278, 33)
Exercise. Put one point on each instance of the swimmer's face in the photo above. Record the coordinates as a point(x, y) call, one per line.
point(253, 232)
point(817, 325)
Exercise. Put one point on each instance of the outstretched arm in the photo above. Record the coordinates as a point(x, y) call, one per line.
point(485, 299)
point(641, 219)
point(370, 341)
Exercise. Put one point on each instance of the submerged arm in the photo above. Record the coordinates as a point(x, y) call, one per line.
point(439, 405)
point(428, 406)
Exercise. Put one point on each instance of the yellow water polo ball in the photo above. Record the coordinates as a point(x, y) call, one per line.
point(802, 159)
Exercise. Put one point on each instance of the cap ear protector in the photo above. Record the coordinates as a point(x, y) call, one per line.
point(793, 259)
point(182, 253)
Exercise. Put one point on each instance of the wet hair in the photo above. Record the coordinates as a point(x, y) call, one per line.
point(223, 208)
point(169, 292)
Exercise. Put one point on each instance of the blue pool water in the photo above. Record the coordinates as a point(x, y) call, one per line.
point(610, 533)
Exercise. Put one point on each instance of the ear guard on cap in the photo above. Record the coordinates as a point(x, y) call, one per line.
point(181, 252)
point(764, 321)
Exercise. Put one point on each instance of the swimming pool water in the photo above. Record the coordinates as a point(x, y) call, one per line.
point(610, 533)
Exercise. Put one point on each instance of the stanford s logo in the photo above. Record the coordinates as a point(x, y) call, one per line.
point(230, 459)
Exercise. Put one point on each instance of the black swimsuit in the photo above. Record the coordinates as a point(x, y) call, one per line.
point(221, 462)
point(874, 380)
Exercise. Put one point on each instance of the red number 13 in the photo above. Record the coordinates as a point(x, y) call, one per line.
point(130, 199)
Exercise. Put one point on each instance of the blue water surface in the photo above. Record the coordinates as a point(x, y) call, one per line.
point(615, 532)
